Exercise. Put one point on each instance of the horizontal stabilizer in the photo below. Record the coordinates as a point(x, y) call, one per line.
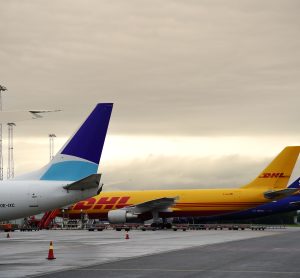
point(160, 204)
point(92, 181)
point(272, 194)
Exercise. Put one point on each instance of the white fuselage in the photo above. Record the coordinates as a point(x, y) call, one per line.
point(25, 198)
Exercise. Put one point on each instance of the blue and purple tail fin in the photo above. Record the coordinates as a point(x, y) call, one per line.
point(80, 156)
point(295, 184)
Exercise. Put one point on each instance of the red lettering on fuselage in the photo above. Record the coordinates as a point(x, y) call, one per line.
point(106, 202)
point(102, 203)
point(84, 205)
point(123, 202)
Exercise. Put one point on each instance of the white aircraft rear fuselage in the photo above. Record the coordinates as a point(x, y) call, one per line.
point(23, 198)
point(71, 176)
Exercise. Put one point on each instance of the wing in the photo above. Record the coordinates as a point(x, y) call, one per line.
point(133, 213)
point(161, 204)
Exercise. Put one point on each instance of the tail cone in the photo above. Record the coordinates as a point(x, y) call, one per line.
point(51, 253)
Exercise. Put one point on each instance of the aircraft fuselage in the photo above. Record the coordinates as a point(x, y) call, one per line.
point(24, 198)
point(194, 202)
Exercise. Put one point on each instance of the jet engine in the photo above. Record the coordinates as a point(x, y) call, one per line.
point(120, 216)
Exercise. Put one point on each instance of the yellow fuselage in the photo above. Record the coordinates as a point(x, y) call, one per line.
point(193, 202)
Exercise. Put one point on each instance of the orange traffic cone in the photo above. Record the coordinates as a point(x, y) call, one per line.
point(51, 253)
point(7, 236)
point(127, 235)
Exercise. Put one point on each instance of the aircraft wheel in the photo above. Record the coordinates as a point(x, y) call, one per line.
point(168, 226)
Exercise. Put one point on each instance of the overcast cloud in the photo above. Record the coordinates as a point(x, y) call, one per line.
point(172, 68)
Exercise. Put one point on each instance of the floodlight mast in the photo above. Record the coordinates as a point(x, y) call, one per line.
point(11, 163)
point(2, 89)
point(51, 142)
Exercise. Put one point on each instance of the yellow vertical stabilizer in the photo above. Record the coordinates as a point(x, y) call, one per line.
point(278, 172)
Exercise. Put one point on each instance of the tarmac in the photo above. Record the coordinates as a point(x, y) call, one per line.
point(221, 253)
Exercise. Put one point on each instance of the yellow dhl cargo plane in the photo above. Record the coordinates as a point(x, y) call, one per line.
point(138, 206)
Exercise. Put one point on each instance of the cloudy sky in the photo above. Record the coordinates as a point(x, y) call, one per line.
point(205, 92)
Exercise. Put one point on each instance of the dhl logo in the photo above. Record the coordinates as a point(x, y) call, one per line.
point(102, 203)
point(273, 175)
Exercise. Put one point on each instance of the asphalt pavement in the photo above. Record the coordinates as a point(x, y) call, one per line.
point(276, 256)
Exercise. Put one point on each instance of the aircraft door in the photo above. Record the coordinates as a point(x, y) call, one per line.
point(33, 199)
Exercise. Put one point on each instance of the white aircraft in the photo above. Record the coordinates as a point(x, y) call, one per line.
point(70, 177)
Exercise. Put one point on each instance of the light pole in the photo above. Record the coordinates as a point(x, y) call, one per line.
point(2, 89)
point(10, 168)
point(51, 141)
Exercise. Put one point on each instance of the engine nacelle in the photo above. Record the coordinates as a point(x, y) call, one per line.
point(120, 216)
